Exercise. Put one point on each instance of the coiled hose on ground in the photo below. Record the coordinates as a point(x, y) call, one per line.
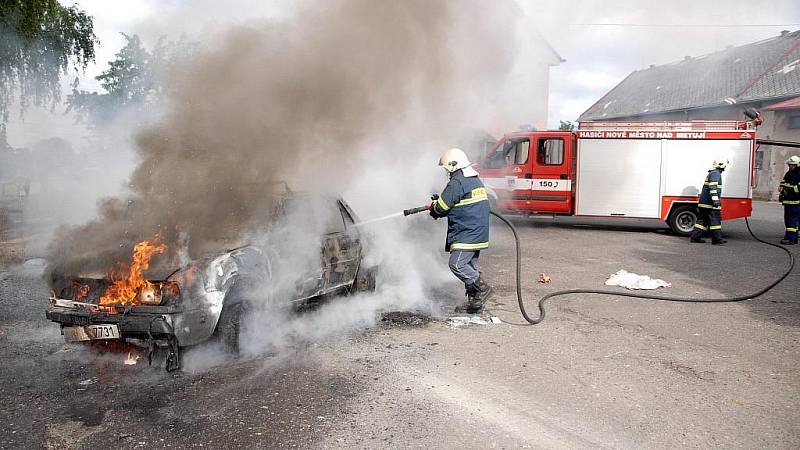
point(628, 294)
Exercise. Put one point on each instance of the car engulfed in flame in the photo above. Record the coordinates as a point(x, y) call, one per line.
point(203, 299)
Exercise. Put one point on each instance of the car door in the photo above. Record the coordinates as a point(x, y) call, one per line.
point(551, 183)
point(507, 170)
point(341, 250)
point(298, 211)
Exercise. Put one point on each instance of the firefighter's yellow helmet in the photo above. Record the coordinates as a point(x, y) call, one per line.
point(454, 159)
point(793, 160)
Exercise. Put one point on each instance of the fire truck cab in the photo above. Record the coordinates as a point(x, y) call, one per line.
point(637, 170)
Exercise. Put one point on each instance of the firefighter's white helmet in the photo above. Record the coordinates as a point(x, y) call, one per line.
point(455, 159)
point(720, 164)
point(793, 160)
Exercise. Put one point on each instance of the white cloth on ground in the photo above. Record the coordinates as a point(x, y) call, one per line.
point(633, 281)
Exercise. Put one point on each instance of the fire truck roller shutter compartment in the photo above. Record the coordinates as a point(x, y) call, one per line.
point(619, 177)
point(686, 162)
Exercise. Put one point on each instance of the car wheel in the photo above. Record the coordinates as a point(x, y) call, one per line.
point(242, 297)
point(229, 327)
point(682, 219)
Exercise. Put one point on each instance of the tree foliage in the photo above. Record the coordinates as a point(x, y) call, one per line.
point(38, 41)
point(131, 82)
point(4, 146)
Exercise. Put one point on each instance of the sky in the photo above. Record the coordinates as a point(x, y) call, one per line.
point(599, 55)
point(601, 42)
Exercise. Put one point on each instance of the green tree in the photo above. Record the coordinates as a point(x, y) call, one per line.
point(129, 78)
point(131, 81)
point(38, 41)
point(566, 125)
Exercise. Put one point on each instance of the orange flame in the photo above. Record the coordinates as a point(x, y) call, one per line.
point(129, 282)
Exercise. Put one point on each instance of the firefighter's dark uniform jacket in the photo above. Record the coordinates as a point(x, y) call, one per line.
point(790, 197)
point(791, 187)
point(466, 205)
point(712, 190)
point(710, 208)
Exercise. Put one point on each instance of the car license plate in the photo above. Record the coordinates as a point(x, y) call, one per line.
point(91, 332)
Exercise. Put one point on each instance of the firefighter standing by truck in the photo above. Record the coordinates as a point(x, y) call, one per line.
point(466, 205)
point(790, 197)
point(710, 206)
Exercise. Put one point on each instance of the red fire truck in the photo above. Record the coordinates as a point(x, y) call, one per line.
point(641, 170)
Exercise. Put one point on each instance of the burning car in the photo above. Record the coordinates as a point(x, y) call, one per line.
point(207, 298)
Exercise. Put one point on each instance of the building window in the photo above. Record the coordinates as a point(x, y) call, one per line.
point(794, 122)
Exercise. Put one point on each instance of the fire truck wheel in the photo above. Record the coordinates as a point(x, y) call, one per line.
point(682, 219)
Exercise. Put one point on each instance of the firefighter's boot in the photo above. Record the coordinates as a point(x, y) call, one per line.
point(469, 293)
point(788, 242)
point(478, 292)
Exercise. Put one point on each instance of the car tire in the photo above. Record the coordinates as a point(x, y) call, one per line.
point(229, 327)
point(682, 219)
point(241, 297)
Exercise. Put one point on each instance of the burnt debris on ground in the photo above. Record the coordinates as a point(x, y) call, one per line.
point(406, 319)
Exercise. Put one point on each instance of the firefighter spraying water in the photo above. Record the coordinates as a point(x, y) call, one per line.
point(465, 204)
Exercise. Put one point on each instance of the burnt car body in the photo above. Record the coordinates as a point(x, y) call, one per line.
point(207, 298)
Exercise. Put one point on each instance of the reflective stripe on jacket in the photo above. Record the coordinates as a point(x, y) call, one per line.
point(791, 187)
point(712, 190)
point(466, 205)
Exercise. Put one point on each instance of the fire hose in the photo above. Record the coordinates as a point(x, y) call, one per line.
point(544, 299)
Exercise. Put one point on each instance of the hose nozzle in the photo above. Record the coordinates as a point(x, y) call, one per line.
point(408, 212)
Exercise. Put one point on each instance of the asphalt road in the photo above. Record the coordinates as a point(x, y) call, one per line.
point(600, 372)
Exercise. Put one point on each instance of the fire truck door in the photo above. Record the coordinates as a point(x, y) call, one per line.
point(551, 185)
point(507, 171)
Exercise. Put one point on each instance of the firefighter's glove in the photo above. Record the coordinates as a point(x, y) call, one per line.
point(716, 204)
point(432, 211)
